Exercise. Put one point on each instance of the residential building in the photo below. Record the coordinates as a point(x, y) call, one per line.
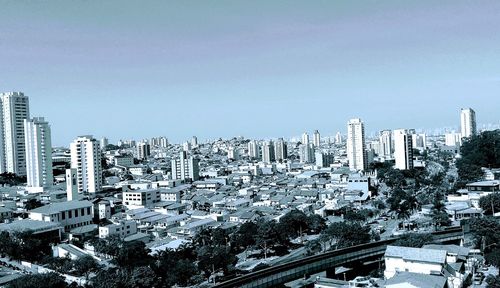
point(306, 153)
point(14, 110)
point(253, 149)
point(453, 139)
point(385, 147)
point(415, 260)
point(316, 138)
point(86, 159)
point(233, 153)
point(281, 150)
point(38, 153)
point(324, 159)
point(338, 138)
point(104, 142)
point(143, 150)
point(356, 150)
point(468, 126)
point(141, 198)
point(305, 139)
point(194, 142)
point(403, 149)
point(70, 214)
point(268, 152)
point(185, 168)
point(124, 160)
point(122, 228)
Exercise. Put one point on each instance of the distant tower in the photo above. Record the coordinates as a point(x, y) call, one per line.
point(306, 153)
point(14, 109)
point(253, 149)
point(268, 152)
point(281, 150)
point(385, 142)
point(185, 168)
point(143, 150)
point(468, 122)
point(317, 138)
point(232, 153)
point(194, 142)
point(38, 153)
point(356, 150)
point(403, 149)
point(104, 143)
point(86, 159)
point(338, 138)
point(71, 184)
point(305, 138)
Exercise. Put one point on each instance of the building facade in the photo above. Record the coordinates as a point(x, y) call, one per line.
point(38, 153)
point(468, 126)
point(86, 159)
point(356, 150)
point(185, 168)
point(403, 149)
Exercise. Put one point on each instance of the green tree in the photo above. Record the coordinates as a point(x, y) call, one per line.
point(346, 234)
point(493, 257)
point(86, 265)
point(133, 254)
point(47, 280)
point(414, 240)
point(493, 281)
point(293, 223)
point(490, 203)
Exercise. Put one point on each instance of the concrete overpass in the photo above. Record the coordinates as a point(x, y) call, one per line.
point(283, 273)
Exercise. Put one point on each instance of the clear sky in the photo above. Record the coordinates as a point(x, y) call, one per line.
point(135, 69)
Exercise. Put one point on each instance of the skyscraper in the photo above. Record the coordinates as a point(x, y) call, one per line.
point(143, 150)
point(253, 149)
point(385, 140)
point(356, 152)
point(86, 159)
point(305, 138)
point(403, 149)
point(338, 138)
point(14, 109)
point(281, 150)
point(268, 152)
point(468, 122)
point(306, 153)
point(38, 152)
point(185, 168)
point(194, 142)
point(317, 138)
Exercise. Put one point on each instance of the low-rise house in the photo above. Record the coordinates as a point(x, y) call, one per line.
point(122, 228)
point(70, 214)
point(141, 198)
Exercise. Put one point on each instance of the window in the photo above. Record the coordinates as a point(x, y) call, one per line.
point(82, 211)
point(69, 214)
point(76, 212)
point(88, 210)
point(63, 215)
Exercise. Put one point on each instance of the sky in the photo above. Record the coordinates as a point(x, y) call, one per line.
point(259, 69)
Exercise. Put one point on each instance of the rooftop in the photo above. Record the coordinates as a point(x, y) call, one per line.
point(416, 254)
point(54, 208)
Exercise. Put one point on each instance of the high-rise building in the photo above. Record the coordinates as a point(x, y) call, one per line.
point(468, 122)
point(324, 159)
point(143, 150)
point(419, 141)
point(233, 153)
point(305, 138)
point(14, 110)
point(194, 142)
point(86, 159)
point(453, 139)
point(163, 143)
point(104, 143)
point(186, 146)
point(356, 150)
point(38, 153)
point(185, 168)
point(268, 152)
point(306, 153)
point(253, 149)
point(338, 138)
point(281, 150)
point(403, 149)
point(385, 140)
point(316, 138)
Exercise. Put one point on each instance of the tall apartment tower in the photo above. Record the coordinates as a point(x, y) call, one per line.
point(143, 150)
point(305, 138)
point(14, 109)
point(38, 153)
point(468, 126)
point(185, 168)
point(268, 152)
point(281, 150)
point(306, 153)
point(86, 159)
point(316, 138)
point(338, 138)
point(385, 143)
point(253, 149)
point(356, 150)
point(403, 149)
point(194, 142)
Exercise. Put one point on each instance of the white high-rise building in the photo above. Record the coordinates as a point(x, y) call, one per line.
point(338, 138)
point(385, 140)
point(268, 152)
point(453, 139)
point(38, 153)
point(143, 150)
point(14, 109)
point(317, 138)
point(104, 143)
point(305, 138)
point(194, 142)
point(233, 153)
point(281, 150)
point(356, 150)
point(468, 122)
point(86, 159)
point(253, 149)
point(403, 149)
point(419, 141)
point(324, 159)
point(306, 153)
point(185, 168)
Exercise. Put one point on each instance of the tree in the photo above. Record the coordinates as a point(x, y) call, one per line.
point(293, 223)
point(47, 280)
point(490, 203)
point(267, 236)
point(346, 234)
point(85, 265)
point(493, 281)
point(245, 236)
point(493, 257)
point(414, 240)
point(32, 204)
point(485, 231)
point(439, 215)
point(402, 202)
point(316, 223)
point(133, 254)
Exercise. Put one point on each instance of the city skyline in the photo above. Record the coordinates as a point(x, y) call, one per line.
point(296, 69)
